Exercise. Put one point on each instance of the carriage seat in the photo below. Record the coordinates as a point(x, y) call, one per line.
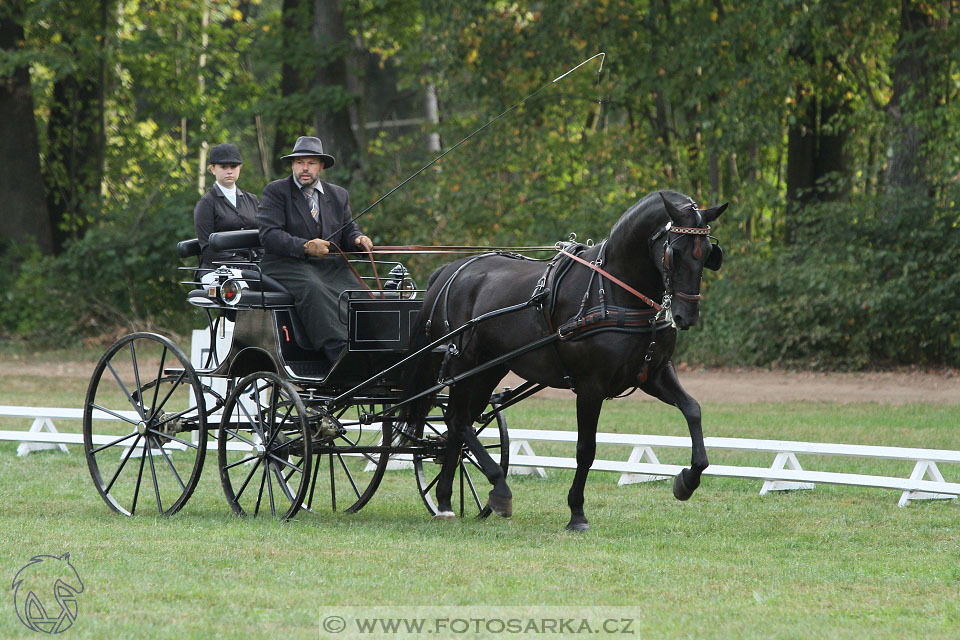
point(188, 248)
point(223, 241)
point(261, 291)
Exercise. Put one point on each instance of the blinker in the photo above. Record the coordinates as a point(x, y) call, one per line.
point(714, 258)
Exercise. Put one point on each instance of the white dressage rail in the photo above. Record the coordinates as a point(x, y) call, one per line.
point(642, 465)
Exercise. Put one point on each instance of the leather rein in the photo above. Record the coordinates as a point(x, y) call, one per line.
point(691, 231)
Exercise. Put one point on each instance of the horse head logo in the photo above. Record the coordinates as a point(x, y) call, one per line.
point(45, 593)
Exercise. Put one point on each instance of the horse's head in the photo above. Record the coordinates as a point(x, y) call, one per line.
point(685, 248)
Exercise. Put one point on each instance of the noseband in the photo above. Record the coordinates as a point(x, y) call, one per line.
point(673, 234)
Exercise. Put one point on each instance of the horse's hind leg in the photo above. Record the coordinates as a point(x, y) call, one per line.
point(588, 412)
point(665, 386)
point(466, 404)
point(445, 479)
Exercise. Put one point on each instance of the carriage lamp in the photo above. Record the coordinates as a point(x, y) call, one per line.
point(230, 291)
point(400, 283)
point(408, 289)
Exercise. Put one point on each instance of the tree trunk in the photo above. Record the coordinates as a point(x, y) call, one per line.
point(24, 212)
point(73, 169)
point(294, 122)
point(911, 84)
point(332, 122)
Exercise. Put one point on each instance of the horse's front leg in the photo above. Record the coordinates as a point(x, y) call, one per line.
point(663, 385)
point(588, 412)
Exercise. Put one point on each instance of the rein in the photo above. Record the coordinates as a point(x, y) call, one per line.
point(416, 248)
point(613, 279)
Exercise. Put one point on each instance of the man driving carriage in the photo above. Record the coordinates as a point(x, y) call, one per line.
point(296, 214)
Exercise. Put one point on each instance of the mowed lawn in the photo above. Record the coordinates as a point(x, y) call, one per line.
point(836, 562)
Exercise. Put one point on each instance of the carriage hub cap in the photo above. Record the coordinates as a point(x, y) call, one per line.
point(259, 450)
point(142, 427)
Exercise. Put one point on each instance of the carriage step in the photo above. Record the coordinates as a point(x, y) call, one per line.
point(309, 369)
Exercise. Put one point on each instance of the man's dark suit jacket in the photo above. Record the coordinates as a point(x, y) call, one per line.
point(215, 213)
point(286, 224)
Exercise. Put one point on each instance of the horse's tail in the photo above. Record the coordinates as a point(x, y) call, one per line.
point(419, 372)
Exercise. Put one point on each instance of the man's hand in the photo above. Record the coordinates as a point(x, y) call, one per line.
point(317, 247)
point(364, 243)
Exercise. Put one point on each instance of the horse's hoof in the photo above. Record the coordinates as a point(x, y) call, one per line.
point(501, 506)
point(578, 526)
point(445, 515)
point(681, 490)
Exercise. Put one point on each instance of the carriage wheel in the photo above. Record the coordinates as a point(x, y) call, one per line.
point(144, 426)
point(347, 472)
point(264, 447)
point(469, 484)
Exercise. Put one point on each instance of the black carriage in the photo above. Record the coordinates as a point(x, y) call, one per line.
point(291, 431)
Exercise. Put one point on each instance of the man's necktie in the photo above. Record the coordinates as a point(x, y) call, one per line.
point(310, 193)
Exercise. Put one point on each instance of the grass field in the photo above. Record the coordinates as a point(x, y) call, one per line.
point(836, 562)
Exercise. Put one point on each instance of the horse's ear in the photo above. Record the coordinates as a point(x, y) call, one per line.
point(713, 213)
point(672, 211)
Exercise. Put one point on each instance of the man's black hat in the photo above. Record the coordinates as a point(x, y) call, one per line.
point(310, 146)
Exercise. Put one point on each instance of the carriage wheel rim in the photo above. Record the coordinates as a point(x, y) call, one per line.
point(163, 468)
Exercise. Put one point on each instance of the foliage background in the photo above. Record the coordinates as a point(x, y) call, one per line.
point(829, 126)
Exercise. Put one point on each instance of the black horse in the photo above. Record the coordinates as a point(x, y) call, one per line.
point(605, 317)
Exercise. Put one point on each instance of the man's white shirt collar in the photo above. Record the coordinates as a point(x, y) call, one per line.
point(318, 185)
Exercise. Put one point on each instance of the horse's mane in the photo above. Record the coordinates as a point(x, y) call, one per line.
point(651, 205)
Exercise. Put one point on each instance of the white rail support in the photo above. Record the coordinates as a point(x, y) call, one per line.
point(40, 425)
point(641, 454)
point(785, 460)
point(924, 468)
point(522, 447)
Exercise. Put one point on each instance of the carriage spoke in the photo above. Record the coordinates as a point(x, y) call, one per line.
point(333, 484)
point(239, 436)
point(268, 472)
point(349, 475)
point(313, 486)
point(166, 456)
point(156, 387)
point(238, 463)
point(465, 473)
point(122, 463)
point(153, 475)
point(160, 434)
point(471, 460)
point(250, 475)
point(263, 480)
point(173, 387)
point(175, 416)
point(283, 484)
point(115, 414)
point(429, 487)
point(113, 443)
point(136, 491)
point(136, 375)
point(354, 443)
point(287, 463)
point(123, 387)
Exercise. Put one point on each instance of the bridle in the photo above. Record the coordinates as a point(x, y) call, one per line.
point(673, 233)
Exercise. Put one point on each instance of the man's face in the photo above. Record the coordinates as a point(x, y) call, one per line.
point(306, 169)
point(226, 174)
